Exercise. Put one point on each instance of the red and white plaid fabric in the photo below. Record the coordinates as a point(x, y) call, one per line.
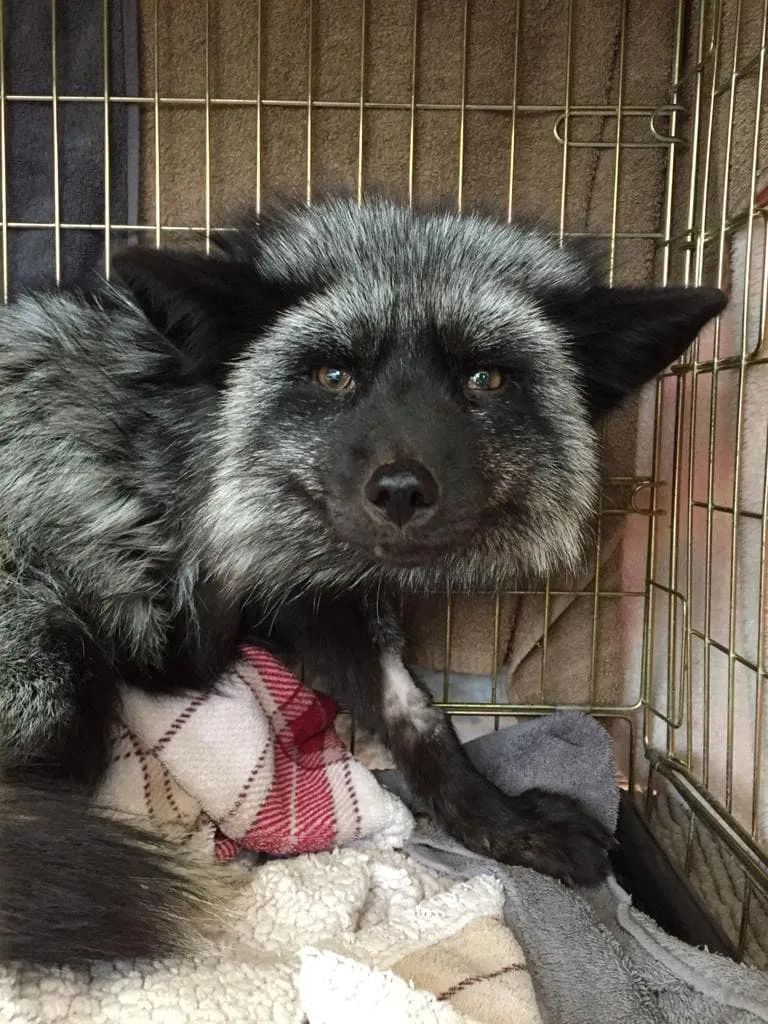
point(254, 766)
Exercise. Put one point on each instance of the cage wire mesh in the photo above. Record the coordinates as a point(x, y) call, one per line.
point(640, 122)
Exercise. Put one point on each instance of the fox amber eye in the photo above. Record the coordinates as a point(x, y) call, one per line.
point(334, 379)
point(486, 380)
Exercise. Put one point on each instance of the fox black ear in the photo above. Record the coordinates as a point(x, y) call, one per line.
point(209, 307)
point(174, 287)
point(621, 338)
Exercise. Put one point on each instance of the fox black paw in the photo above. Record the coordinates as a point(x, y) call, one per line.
point(562, 839)
point(551, 833)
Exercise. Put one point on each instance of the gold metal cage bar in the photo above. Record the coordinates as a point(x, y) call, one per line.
point(243, 100)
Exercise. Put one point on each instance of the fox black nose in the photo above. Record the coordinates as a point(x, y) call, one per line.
point(402, 490)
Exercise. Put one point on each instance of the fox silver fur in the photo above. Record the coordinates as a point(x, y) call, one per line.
point(176, 477)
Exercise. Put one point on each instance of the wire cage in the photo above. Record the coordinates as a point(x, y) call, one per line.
point(641, 122)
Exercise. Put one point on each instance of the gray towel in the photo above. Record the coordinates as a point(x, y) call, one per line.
point(81, 135)
point(594, 959)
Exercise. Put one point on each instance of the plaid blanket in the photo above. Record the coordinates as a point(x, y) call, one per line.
point(254, 766)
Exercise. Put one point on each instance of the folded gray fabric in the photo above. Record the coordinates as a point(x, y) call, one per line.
point(31, 156)
point(593, 958)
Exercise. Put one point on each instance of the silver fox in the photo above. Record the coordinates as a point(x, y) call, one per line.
point(268, 442)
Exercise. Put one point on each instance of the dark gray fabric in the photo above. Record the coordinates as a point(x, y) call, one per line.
point(592, 957)
point(81, 137)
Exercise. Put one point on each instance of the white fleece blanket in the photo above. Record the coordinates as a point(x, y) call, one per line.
point(257, 766)
point(309, 938)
